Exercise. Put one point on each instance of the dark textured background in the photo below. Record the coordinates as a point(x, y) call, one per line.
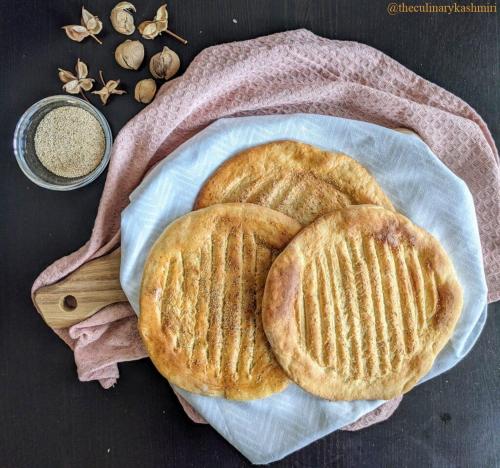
point(47, 417)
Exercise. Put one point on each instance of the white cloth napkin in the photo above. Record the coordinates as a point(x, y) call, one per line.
point(416, 181)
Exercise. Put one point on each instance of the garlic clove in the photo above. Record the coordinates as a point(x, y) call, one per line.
point(122, 19)
point(164, 64)
point(145, 90)
point(130, 54)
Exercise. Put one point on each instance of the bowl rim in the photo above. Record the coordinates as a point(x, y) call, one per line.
point(23, 122)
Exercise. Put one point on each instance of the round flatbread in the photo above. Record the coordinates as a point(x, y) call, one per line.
point(201, 296)
point(294, 178)
point(359, 304)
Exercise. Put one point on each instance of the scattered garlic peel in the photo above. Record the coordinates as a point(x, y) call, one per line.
point(76, 32)
point(91, 22)
point(91, 25)
point(162, 14)
point(152, 29)
point(110, 87)
point(75, 84)
point(149, 29)
point(122, 19)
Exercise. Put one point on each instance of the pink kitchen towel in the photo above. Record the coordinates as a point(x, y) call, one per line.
point(284, 73)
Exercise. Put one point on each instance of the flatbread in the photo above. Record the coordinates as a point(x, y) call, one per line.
point(294, 178)
point(359, 304)
point(201, 296)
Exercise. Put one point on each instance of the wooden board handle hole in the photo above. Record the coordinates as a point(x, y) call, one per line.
point(69, 303)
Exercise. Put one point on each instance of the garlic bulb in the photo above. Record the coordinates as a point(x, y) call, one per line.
point(122, 19)
point(130, 54)
point(145, 90)
point(164, 64)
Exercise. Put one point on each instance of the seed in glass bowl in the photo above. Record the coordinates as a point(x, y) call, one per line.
point(69, 142)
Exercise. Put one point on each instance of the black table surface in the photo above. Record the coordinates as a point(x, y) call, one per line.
point(47, 417)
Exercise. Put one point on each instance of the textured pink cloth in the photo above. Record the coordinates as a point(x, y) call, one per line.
point(284, 73)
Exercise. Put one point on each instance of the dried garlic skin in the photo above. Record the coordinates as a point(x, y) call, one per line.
point(75, 84)
point(151, 29)
point(72, 87)
point(145, 90)
point(161, 18)
point(66, 76)
point(91, 22)
point(86, 84)
point(76, 32)
point(164, 64)
point(148, 29)
point(158, 25)
point(111, 87)
point(130, 54)
point(81, 69)
point(90, 25)
point(162, 14)
point(122, 19)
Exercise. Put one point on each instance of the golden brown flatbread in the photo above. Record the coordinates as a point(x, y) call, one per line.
point(201, 296)
point(359, 304)
point(294, 178)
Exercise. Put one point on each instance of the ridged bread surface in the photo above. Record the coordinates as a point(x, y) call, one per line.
point(201, 296)
point(294, 178)
point(359, 304)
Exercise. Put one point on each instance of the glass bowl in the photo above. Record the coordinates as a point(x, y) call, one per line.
point(24, 144)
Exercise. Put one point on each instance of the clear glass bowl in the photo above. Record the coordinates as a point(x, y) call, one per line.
point(24, 144)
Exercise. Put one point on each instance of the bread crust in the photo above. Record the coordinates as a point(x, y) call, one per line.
point(297, 179)
point(201, 299)
point(359, 304)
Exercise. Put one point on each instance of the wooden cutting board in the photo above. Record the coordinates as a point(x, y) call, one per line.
point(81, 294)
